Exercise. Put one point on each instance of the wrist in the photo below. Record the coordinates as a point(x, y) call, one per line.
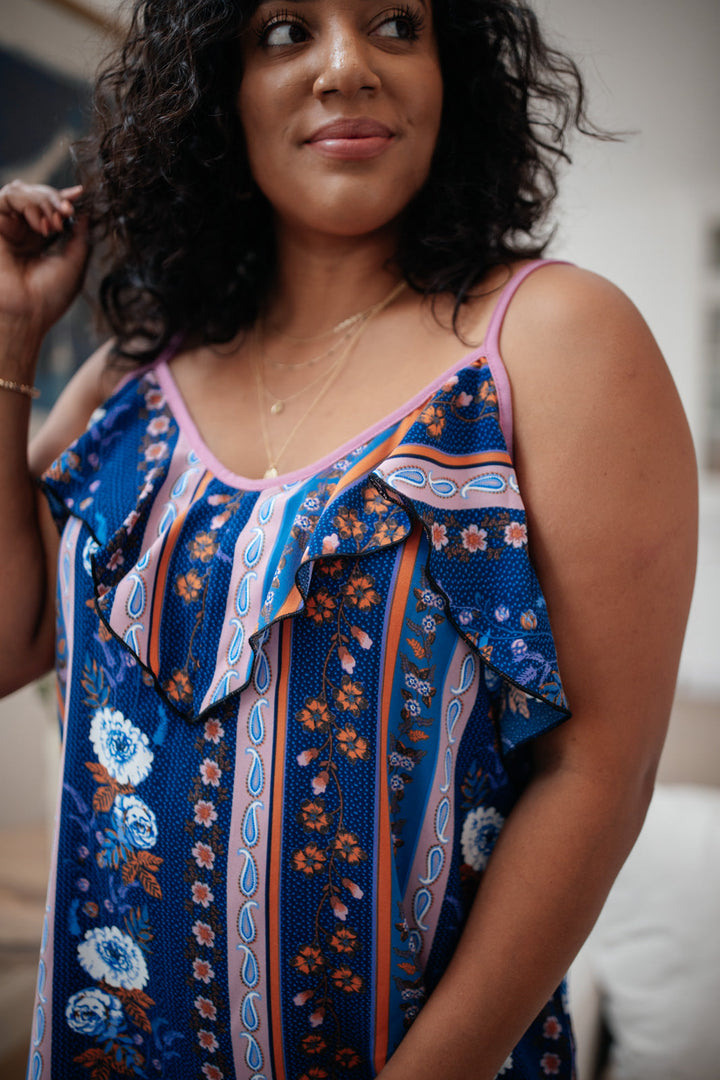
point(19, 349)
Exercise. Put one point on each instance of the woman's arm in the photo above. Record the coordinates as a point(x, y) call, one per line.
point(606, 466)
point(37, 284)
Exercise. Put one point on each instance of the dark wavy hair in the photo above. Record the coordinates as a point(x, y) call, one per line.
point(187, 236)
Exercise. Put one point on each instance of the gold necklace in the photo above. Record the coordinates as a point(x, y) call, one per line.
point(299, 365)
point(329, 378)
point(278, 403)
point(345, 324)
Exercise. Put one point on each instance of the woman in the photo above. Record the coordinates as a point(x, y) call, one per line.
point(307, 691)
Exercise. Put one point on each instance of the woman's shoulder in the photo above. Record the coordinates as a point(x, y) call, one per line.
point(91, 385)
point(569, 315)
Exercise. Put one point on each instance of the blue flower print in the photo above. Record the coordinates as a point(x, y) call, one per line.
point(121, 747)
point(93, 1012)
point(109, 954)
point(519, 649)
point(135, 822)
point(480, 831)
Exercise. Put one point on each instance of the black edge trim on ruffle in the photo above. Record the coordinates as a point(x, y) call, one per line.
point(254, 639)
point(408, 506)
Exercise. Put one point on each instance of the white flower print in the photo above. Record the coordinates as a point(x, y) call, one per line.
point(480, 831)
point(135, 821)
point(89, 549)
point(93, 1012)
point(121, 747)
point(109, 954)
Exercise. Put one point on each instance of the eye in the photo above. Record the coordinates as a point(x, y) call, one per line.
point(283, 28)
point(402, 24)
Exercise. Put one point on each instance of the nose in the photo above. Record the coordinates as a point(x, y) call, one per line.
point(345, 65)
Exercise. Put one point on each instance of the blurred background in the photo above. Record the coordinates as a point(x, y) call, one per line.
point(645, 212)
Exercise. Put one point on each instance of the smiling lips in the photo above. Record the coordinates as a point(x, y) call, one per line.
point(351, 140)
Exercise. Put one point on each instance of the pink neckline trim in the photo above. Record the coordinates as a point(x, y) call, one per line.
point(490, 350)
point(203, 451)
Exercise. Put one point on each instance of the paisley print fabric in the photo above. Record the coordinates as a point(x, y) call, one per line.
point(294, 717)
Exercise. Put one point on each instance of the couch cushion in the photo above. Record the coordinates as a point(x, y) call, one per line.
point(656, 946)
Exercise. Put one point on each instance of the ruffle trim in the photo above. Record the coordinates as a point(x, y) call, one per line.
point(468, 507)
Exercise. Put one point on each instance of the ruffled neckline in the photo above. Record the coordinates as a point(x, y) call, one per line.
point(166, 528)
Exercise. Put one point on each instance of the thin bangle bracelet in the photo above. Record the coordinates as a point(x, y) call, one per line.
point(19, 388)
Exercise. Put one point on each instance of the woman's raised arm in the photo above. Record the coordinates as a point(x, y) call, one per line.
point(42, 262)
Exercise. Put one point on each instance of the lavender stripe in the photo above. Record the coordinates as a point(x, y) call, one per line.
point(246, 893)
point(433, 853)
point(233, 675)
point(120, 618)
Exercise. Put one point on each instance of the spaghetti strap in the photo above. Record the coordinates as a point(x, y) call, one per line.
point(491, 345)
point(492, 337)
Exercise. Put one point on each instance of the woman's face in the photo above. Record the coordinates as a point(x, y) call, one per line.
point(340, 101)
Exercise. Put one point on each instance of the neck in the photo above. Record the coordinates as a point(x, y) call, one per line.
point(321, 281)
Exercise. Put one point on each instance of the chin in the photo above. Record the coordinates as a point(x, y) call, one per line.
point(348, 213)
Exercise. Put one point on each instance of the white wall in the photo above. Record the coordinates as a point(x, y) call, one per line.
point(637, 211)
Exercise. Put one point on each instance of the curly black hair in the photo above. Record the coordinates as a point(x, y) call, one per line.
point(188, 236)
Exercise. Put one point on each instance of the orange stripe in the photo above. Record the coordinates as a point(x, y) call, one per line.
point(494, 457)
point(291, 604)
point(379, 453)
point(273, 923)
point(154, 648)
point(384, 907)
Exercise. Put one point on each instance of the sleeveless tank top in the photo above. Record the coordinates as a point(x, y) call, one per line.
point(295, 715)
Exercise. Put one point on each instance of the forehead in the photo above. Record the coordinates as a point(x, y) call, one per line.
point(252, 6)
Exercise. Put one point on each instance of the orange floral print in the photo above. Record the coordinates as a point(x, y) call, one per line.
point(347, 846)
point(346, 980)
point(353, 746)
point(313, 1044)
point(347, 1058)
point(320, 607)
point(344, 940)
point(178, 687)
point(389, 531)
point(349, 696)
point(487, 392)
point(433, 417)
point(203, 547)
point(314, 715)
point(309, 959)
point(360, 593)
point(349, 525)
point(332, 568)
point(375, 503)
point(188, 586)
point(310, 860)
point(313, 816)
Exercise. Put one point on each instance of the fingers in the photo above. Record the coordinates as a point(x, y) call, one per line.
point(43, 208)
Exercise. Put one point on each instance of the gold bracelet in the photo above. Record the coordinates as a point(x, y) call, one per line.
point(20, 388)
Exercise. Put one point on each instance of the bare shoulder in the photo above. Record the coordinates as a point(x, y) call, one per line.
point(576, 343)
point(89, 387)
point(606, 465)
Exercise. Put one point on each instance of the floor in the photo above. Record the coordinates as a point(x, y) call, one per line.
point(24, 854)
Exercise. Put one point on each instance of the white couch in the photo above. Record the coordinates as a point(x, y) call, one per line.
point(645, 989)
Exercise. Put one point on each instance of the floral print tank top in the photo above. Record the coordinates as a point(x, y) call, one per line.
point(295, 715)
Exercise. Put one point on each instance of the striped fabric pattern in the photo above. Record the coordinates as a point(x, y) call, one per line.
point(295, 717)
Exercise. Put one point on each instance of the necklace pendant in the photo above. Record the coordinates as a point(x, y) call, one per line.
point(270, 473)
point(276, 407)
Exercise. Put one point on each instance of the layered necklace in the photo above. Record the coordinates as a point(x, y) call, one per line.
point(349, 331)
